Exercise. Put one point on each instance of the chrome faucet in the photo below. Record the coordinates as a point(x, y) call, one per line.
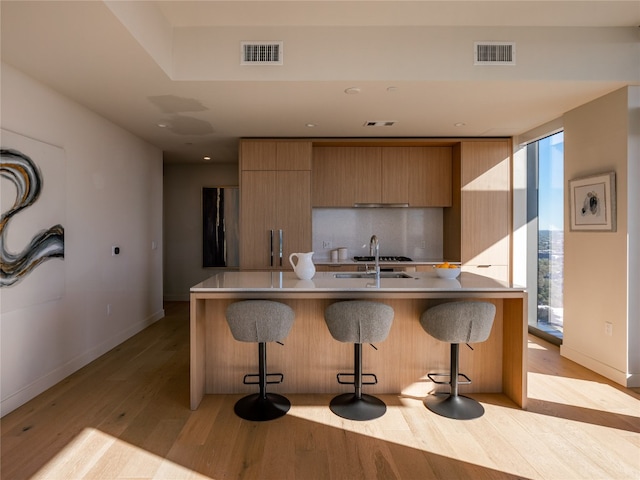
point(374, 251)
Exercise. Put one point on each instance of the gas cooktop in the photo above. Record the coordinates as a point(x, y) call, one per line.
point(383, 258)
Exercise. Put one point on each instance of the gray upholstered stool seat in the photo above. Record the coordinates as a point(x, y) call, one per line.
point(455, 323)
point(358, 322)
point(261, 321)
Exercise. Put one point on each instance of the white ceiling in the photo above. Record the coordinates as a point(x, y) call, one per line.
point(176, 63)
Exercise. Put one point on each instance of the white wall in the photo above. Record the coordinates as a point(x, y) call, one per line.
point(600, 276)
point(112, 196)
point(183, 185)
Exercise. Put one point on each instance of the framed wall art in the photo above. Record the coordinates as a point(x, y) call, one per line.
point(592, 203)
point(220, 245)
point(32, 206)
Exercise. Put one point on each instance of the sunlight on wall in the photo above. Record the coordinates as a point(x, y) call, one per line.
point(486, 181)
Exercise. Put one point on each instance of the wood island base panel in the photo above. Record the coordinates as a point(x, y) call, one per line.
point(310, 358)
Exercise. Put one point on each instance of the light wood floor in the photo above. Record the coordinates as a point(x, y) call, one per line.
point(126, 415)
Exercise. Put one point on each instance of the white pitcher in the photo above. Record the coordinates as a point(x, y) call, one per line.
point(304, 267)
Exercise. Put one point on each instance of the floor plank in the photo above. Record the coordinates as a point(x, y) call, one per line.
point(126, 415)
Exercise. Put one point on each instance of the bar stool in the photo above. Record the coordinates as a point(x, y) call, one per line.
point(457, 322)
point(358, 322)
point(260, 321)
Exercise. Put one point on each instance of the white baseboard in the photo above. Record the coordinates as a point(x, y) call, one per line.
point(607, 371)
point(633, 380)
point(47, 381)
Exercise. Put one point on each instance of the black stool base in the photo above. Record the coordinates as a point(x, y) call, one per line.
point(458, 407)
point(349, 406)
point(257, 409)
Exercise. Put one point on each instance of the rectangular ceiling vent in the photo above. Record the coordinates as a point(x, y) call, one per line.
point(261, 53)
point(494, 53)
point(380, 123)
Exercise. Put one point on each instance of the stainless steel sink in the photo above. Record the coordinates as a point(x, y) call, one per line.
point(371, 275)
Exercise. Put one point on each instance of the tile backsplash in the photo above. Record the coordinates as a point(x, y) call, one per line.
point(412, 232)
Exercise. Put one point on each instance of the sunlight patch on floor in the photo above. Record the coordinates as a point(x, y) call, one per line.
point(536, 346)
point(583, 393)
point(444, 438)
point(82, 458)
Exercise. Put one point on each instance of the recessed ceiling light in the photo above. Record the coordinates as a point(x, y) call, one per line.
point(459, 124)
point(207, 158)
point(162, 125)
point(310, 125)
point(352, 91)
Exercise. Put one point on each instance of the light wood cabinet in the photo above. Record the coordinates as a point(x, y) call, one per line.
point(477, 227)
point(471, 178)
point(275, 203)
point(418, 176)
point(344, 176)
point(275, 155)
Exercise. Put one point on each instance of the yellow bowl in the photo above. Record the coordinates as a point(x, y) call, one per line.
point(447, 272)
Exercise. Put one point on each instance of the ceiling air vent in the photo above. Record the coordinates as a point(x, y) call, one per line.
point(494, 53)
point(261, 53)
point(380, 123)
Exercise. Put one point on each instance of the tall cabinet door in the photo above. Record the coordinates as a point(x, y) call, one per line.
point(257, 219)
point(485, 179)
point(275, 202)
point(293, 212)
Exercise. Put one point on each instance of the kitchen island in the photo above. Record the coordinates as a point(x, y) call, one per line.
point(310, 358)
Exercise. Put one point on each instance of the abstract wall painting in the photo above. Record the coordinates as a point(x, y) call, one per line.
point(220, 210)
point(592, 202)
point(32, 213)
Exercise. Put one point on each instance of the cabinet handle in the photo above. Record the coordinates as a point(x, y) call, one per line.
point(483, 266)
point(281, 246)
point(271, 247)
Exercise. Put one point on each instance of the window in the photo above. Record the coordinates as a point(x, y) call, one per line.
point(545, 159)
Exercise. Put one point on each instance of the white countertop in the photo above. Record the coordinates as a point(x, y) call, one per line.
point(258, 281)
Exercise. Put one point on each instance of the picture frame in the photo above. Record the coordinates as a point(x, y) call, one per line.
point(592, 203)
point(220, 245)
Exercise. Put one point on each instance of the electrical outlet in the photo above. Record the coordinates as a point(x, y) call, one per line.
point(608, 328)
point(326, 244)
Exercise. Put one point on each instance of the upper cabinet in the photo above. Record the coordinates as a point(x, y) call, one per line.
point(418, 176)
point(343, 176)
point(275, 155)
